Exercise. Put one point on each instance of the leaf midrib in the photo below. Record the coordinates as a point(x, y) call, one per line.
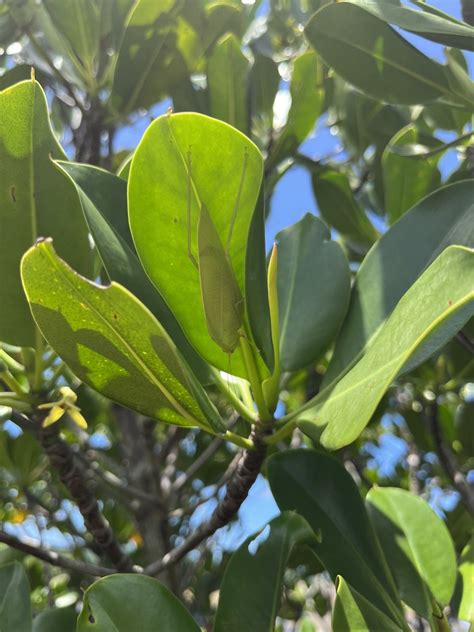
point(394, 65)
point(402, 357)
point(380, 589)
point(148, 372)
point(412, 549)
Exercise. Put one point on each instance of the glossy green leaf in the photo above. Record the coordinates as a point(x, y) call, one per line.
point(121, 603)
point(338, 207)
point(340, 413)
point(226, 172)
point(459, 77)
point(222, 17)
point(15, 606)
point(307, 94)
point(227, 76)
point(318, 487)
point(443, 116)
point(465, 605)
point(353, 613)
point(256, 286)
point(35, 200)
point(112, 342)
point(407, 179)
point(433, 27)
point(263, 559)
point(72, 27)
point(370, 55)
point(221, 297)
point(314, 284)
point(264, 81)
point(56, 620)
point(417, 545)
point(150, 62)
point(104, 202)
point(443, 218)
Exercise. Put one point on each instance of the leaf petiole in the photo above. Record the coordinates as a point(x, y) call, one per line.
point(245, 412)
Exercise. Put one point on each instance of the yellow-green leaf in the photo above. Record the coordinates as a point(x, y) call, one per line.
point(184, 162)
point(443, 292)
point(36, 200)
point(113, 343)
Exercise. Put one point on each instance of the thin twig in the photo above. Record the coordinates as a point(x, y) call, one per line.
point(190, 509)
point(118, 484)
point(202, 459)
point(55, 71)
point(173, 436)
point(237, 490)
point(447, 458)
point(55, 559)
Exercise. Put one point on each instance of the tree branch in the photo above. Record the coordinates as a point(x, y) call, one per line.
point(123, 488)
point(202, 459)
point(50, 557)
point(237, 490)
point(62, 459)
point(447, 458)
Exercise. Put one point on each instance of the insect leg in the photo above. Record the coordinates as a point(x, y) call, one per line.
point(237, 202)
point(188, 209)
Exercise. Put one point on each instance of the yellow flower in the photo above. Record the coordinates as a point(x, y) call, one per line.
point(65, 404)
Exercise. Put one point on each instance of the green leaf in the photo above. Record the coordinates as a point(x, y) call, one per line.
point(407, 179)
point(121, 603)
point(459, 78)
point(443, 116)
point(56, 620)
point(223, 163)
point(443, 218)
point(72, 27)
point(15, 606)
point(256, 286)
point(149, 63)
point(370, 55)
point(35, 200)
point(227, 72)
point(307, 95)
point(314, 284)
point(21, 456)
point(21, 72)
point(465, 605)
point(417, 545)
point(353, 613)
point(264, 81)
point(9, 29)
point(362, 121)
point(340, 413)
point(318, 487)
point(113, 343)
point(338, 207)
point(104, 202)
point(265, 570)
point(433, 27)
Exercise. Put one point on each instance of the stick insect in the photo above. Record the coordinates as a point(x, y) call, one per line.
point(221, 296)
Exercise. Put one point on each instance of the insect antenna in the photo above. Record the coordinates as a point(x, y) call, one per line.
point(237, 202)
point(188, 208)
